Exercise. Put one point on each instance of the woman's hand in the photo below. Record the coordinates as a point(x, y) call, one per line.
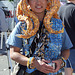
point(42, 66)
point(57, 64)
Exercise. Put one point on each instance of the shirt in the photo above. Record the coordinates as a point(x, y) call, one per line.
point(67, 15)
point(3, 23)
point(56, 43)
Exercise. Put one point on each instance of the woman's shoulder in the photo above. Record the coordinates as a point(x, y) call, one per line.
point(56, 20)
point(56, 24)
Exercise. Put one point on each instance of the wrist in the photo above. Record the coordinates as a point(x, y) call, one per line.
point(30, 63)
point(62, 61)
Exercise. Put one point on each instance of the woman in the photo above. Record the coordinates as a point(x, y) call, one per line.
point(42, 37)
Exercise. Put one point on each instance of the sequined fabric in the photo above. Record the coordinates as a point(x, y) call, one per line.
point(48, 45)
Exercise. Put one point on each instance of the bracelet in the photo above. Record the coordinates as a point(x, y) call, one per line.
point(30, 63)
point(64, 62)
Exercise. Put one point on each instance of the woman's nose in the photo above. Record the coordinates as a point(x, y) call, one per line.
point(38, 1)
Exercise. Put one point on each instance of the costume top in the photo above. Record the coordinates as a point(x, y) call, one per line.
point(48, 46)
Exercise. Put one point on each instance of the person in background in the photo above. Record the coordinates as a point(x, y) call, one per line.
point(3, 23)
point(67, 15)
point(42, 37)
point(62, 3)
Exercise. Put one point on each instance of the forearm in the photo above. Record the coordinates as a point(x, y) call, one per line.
point(19, 58)
point(65, 54)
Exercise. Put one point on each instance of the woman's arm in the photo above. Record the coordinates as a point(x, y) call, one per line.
point(39, 64)
point(65, 54)
point(17, 56)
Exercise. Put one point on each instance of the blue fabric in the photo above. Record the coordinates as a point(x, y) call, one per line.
point(58, 42)
point(13, 40)
point(68, 63)
point(16, 20)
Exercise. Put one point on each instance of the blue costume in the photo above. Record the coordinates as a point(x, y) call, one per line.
point(55, 43)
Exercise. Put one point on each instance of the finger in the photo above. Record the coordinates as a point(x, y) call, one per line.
point(57, 67)
point(49, 71)
point(46, 61)
point(46, 70)
point(54, 61)
point(49, 68)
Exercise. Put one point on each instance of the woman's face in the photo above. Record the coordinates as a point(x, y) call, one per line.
point(38, 6)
